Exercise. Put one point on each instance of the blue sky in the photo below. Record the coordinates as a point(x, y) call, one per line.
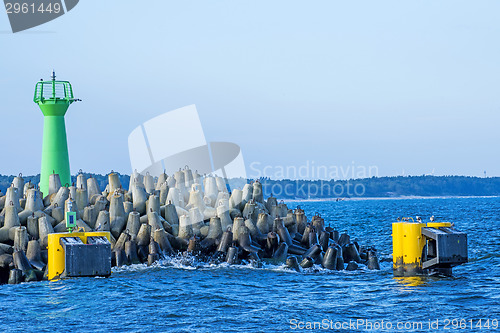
point(400, 85)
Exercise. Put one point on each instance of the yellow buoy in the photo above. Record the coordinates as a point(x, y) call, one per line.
point(419, 247)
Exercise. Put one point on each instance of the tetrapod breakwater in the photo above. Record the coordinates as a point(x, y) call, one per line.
point(183, 214)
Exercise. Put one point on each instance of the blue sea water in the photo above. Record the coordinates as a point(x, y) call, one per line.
point(179, 297)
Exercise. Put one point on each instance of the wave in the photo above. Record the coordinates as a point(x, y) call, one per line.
point(193, 263)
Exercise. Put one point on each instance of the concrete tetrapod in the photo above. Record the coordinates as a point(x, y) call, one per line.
point(34, 255)
point(11, 222)
point(117, 214)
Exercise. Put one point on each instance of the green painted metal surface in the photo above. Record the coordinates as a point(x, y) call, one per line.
point(54, 97)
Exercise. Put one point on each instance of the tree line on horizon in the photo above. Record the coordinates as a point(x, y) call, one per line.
point(331, 189)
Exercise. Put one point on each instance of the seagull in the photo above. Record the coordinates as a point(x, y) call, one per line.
point(432, 218)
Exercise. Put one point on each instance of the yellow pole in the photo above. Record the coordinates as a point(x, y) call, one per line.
point(414, 243)
point(397, 248)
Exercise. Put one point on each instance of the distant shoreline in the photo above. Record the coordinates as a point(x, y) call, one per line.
point(381, 188)
point(392, 198)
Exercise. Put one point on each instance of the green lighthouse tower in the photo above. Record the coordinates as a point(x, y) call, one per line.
point(54, 97)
